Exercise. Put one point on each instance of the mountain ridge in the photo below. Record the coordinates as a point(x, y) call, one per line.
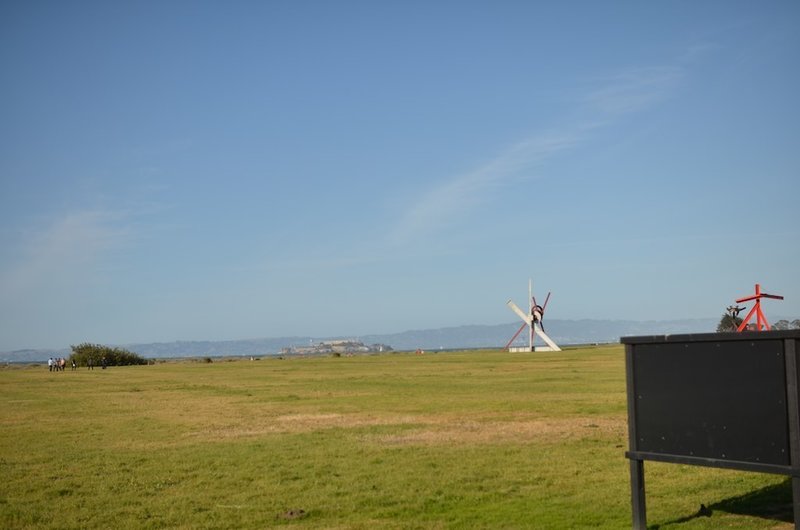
point(564, 332)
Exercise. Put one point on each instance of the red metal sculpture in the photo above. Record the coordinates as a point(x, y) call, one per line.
point(761, 320)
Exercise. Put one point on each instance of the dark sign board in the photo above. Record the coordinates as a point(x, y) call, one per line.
point(722, 400)
point(719, 400)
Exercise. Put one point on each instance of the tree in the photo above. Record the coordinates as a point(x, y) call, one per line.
point(82, 353)
point(728, 323)
point(795, 324)
point(780, 324)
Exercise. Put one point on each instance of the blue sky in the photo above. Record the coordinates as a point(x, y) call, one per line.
point(204, 170)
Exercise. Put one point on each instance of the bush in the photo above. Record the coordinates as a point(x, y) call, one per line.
point(83, 353)
point(728, 323)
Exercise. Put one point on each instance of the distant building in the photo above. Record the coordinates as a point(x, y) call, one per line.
point(335, 346)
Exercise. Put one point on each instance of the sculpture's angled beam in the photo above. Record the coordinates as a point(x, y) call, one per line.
point(758, 295)
point(547, 339)
point(523, 326)
point(520, 313)
point(545, 302)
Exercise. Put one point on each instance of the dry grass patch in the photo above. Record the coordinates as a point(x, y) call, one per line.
point(429, 429)
point(225, 419)
point(551, 430)
point(256, 426)
point(217, 418)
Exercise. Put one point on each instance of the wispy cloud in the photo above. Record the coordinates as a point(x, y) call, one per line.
point(634, 90)
point(447, 202)
point(64, 247)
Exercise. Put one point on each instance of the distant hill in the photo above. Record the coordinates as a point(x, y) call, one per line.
point(563, 332)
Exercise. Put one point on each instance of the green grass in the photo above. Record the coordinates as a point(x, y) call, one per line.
point(453, 440)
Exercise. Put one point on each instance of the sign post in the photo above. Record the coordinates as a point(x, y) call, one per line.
point(725, 400)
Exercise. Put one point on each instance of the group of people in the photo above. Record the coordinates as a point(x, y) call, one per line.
point(58, 364)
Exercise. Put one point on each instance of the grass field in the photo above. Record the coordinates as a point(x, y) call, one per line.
point(479, 439)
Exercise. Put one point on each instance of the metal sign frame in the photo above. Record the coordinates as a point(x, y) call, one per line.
point(695, 412)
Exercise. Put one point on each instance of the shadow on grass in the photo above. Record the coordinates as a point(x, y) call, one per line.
point(772, 502)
